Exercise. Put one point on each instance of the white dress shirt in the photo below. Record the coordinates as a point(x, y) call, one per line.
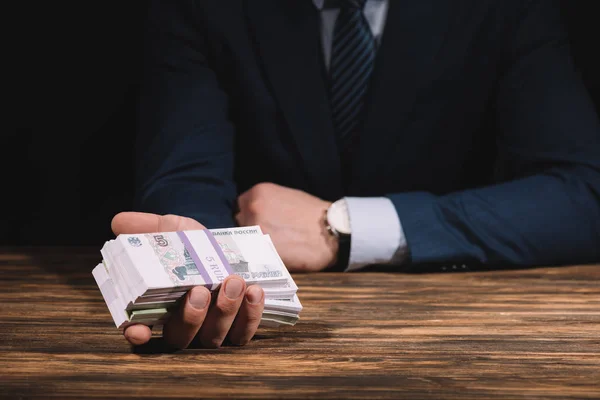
point(377, 235)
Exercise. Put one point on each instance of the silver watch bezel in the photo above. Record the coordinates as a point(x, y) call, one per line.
point(328, 220)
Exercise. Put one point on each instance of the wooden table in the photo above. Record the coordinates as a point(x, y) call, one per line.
point(505, 334)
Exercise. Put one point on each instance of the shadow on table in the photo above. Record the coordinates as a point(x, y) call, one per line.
point(303, 332)
point(70, 265)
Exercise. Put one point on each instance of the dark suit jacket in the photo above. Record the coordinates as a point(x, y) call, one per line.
point(477, 126)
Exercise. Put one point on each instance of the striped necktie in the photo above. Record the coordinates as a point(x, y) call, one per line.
point(352, 60)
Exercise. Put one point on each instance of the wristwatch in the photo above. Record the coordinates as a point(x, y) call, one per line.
point(337, 222)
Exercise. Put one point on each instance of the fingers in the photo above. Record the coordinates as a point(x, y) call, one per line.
point(240, 213)
point(136, 222)
point(137, 334)
point(248, 318)
point(247, 203)
point(240, 219)
point(236, 313)
point(222, 314)
point(184, 325)
point(242, 200)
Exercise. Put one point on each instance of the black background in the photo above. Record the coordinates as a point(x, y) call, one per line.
point(67, 163)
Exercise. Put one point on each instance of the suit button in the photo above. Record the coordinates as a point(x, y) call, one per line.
point(463, 266)
point(444, 268)
point(454, 267)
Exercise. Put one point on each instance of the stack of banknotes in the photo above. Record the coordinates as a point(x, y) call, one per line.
point(143, 277)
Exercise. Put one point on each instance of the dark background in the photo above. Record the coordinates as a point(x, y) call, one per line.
point(67, 163)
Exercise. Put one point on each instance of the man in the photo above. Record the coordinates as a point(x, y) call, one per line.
point(421, 133)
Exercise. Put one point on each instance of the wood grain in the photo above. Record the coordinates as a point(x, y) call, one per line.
point(504, 334)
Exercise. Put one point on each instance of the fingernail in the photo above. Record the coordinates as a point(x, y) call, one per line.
point(199, 298)
point(233, 288)
point(254, 294)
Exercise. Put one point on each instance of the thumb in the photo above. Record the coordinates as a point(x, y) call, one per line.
point(136, 222)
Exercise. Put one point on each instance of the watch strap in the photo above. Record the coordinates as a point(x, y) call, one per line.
point(343, 254)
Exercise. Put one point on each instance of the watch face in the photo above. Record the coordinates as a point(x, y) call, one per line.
point(338, 218)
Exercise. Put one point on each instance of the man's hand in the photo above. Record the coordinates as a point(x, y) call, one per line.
point(294, 219)
point(235, 314)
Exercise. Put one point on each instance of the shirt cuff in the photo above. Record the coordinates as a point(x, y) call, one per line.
point(377, 235)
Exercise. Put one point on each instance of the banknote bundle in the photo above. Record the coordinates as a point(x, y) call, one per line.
point(143, 277)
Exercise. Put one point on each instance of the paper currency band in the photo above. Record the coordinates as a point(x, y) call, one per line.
point(192, 252)
point(219, 251)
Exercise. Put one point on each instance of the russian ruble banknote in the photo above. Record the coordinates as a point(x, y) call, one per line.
point(142, 277)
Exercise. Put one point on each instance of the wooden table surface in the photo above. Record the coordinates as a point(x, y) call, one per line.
point(504, 334)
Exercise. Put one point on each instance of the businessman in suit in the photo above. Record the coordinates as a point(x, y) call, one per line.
point(452, 134)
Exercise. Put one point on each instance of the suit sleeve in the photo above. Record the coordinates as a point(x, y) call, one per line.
point(546, 208)
point(184, 162)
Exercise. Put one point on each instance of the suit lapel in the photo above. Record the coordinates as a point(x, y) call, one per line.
point(412, 38)
point(287, 41)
